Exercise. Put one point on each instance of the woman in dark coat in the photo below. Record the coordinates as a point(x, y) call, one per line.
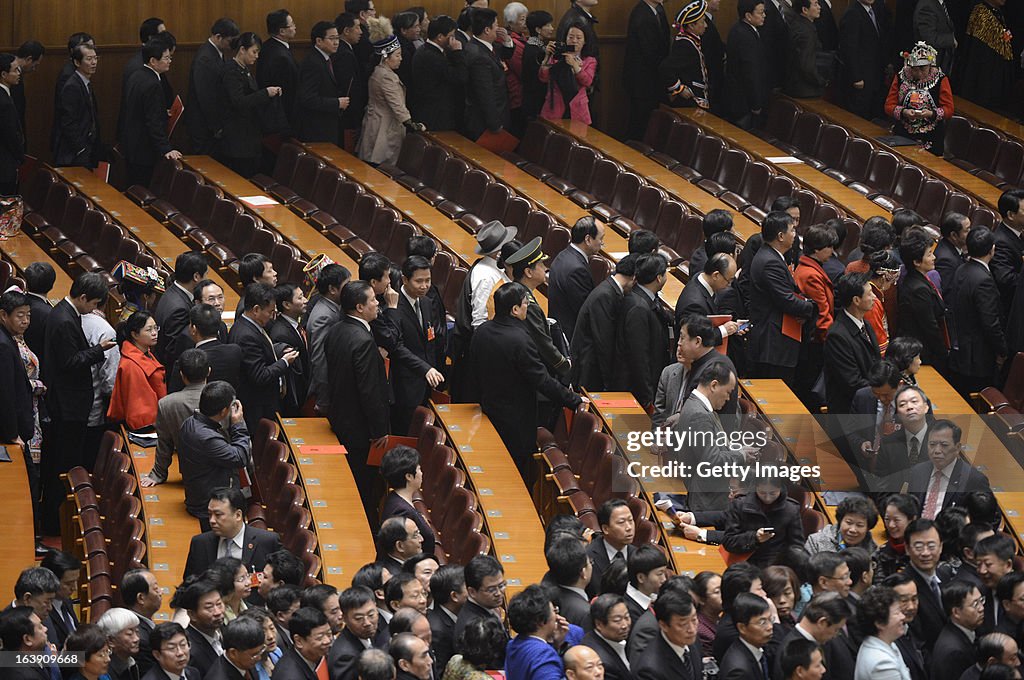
point(683, 72)
point(750, 517)
point(922, 310)
point(240, 146)
point(401, 469)
point(985, 65)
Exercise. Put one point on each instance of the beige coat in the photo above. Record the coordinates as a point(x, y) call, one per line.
point(382, 134)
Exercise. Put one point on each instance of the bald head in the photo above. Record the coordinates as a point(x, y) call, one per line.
point(583, 663)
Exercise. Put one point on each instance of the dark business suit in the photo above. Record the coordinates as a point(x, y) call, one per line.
point(35, 335)
point(614, 668)
point(910, 650)
point(16, 416)
point(224, 670)
point(396, 506)
point(739, 664)
point(360, 401)
point(773, 292)
point(209, 458)
point(317, 114)
point(849, 355)
point(952, 655)
point(486, 91)
point(705, 493)
point(647, 45)
point(172, 315)
point(923, 316)
point(145, 659)
point(978, 321)
point(593, 341)
point(244, 103)
point(469, 613)
point(574, 608)
point(12, 145)
point(78, 137)
point(442, 637)
point(775, 36)
point(642, 345)
point(697, 368)
point(277, 67)
point(828, 31)
point(426, 342)
point(599, 561)
point(802, 77)
point(58, 629)
point(282, 332)
point(292, 667)
point(202, 656)
point(933, 25)
point(569, 284)
point(1006, 263)
point(864, 51)
point(964, 479)
point(931, 618)
point(947, 261)
point(437, 77)
point(343, 656)
point(225, 364)
point(204, 112)
point(263, 373)
point(352, 73)
point(695, 299)
point(191, 673)
point(660, 662)
point(747, 73)
point(143, 139)
point(713, 48)
point(256, 545)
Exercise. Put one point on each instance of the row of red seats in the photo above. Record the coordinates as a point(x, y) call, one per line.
point(985, 152)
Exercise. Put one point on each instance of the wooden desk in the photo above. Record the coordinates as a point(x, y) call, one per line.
point(296, 230)
point(550, 201)
point(342, 531)
point(156, 238)
point(1008, 127)
point(510, 518)
point(22, 251)
point(688, 557)
point(828, 188)
point(657, 174)
point(19, 532)
point(169, 527)
point(979, 189)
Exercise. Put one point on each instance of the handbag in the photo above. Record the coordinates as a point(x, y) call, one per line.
point(12, 211)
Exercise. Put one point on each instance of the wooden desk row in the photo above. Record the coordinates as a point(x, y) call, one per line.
point(16, 508)
point(510, 518)
point(979, 189)
point(688, 557)
point(832, 190)
point(343, 534)
point(22, 251)
point(1010, 128)
point(153, 235)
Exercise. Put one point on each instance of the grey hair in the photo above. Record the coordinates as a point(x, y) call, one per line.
point(115, 620)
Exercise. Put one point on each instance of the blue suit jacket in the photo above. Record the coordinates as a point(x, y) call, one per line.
point(530, 658)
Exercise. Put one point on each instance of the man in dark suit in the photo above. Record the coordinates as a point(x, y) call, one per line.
point(68, 375)
point(361, 632)
point(774, 339)
point(902, 448)
point(700, 295)
point(647, 45)
point(908, 644)
point(924, 548)
point(569, 278)
point(675, 654)
point(981, 346)
point(438, 75)
point(593, 343)
point(945, 479)
point(143, 137)
point(611, 622)
point(864, 53)
point(351, 73)
point(243, 640)
point(713, 49)
point(951, 251)
point(148, 29)
point(78, 138)
point(851, 348)
point(828, 30)
point(485, 585)
point(775, 36)
point(28, 57)
point(286, 330)
point(360, 401)
point(527, 267)
point(172, 310)
point(748, 79)
point(954, 650)
point(170, 658)
point(12, 136)
point(507, 373)
point(448, 591)
point(615, 542)
point(1006, 263)
point(311, 638)
point(62, 620)
point(571, 570)
point(204, 109)
point(21, 630)
point(822, 620)
point(201, 599)
point(644, 333)
point(224, 359)
point(229, 536)
point(486, 93)
point(318, 106)
point(141, 594)
point(802, 76)
point(264, 366)
point(746, 657)
point(933, 25)
point(277, 66)
point(39, 280)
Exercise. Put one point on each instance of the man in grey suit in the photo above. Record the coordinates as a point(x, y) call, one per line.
point(176, 408)
point(933, 25)
point(324, 312)
point(706, 438)
point(666, 398)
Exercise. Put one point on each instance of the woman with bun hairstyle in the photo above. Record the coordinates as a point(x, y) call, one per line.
point(139, 384)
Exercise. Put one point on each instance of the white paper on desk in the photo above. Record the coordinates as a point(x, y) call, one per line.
point(783, 160)
point(618, 256)
point(257, 201)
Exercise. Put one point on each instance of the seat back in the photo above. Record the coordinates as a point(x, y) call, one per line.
point(856, 158)
point(326, 187)
point(74, 214)
point(831, 145)
point(659, 125)
point(648, 205)
point(453, 288)
point(780, 185)
point(495, 199)
point(932, 201)
point(556, 153)
point(600, 269)
point(222, 221)
point(581, 166)
point(584, 425)
point(624, 198)
point(410, 157)
point(958, 137)
point(382, 228)
point(432, 167)
point(602, 181)
point(984, 147)
point(361, 217)
point(806, 131)
point(908, 184)
point(689, 236)
point(454, 172)
point(398, 243)
point(556, 241)
point(56, 200)
point(957, 202)
point(531, 147)
point(183, 191)
point(882, 172)
point(756, 178)
point(732, 169)
point(306, 172)
point(1010, 161)
point(709, 155)
point(344, 201)
point(163, 175)
point(287, 159)
point(517, 211)
point(670, 216)
point(203, 202)
point(683, 141)
point(537, 224)
point(471, 193)
point(782, 115)
point(441, 270)
point(985, 217)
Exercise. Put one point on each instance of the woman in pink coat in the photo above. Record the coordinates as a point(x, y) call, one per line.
point(569, 77)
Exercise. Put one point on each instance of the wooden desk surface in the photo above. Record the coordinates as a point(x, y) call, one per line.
point(688, 557)
point(343, 533)
point(169, 527)
point(832, 190)
point(280, 217)
point(561, 208)
point(22, 251)
point(991, 119)
point(687, 192)
point(149, 231)
point(981, 190)
point(19, 532)
point(510, 518)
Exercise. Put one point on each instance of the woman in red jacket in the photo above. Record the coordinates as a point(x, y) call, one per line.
point(815, 284)
point(140, 377)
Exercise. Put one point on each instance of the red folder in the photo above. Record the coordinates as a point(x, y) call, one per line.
point(716, 321)
point(331, 449)
point(498, 142)
point(385, 444)
point(174, 115)
point(793, 327)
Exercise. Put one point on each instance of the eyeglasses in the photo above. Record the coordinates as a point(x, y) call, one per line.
point(764, 622)
point(333, 38)
point(919, 546)
point(978, 603)
point(495, 589)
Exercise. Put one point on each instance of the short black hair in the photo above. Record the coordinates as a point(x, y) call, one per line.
point(282, 598)
point(650, 267)
point(604, 513)
point(397, 463)
point(354, 294)
point(643, 242)
point(277, 21)
point(903, 350)
point(997, 544)
point(91, 285)
point(332, 275)
point(858, 560)
point(716, 371)
point(250, 267)
point(89, 639)
point(440, 25)
point(40, 277)
point(905, 218)
point(980, 241)
point(201, 285)
point(481, 19)
point(884, 372)
point(374, 267)
point(305, 620)
point(716, 221)
point(643, 560)
point(829, 606)
point(746, 606)
point(482, 643)
point(414, 263)
point(36, 581)
point(671, 604)
point(11, 300)
point(850, 286)
point(287, 567)
point(745, 7)
point(392, 530)
point(508, 296)
point(420, 244)
point(194, 365)
point(1009, 201)
point(717, 263)
point(206, 318)
point(538, 19)
point(952, 222)
point(1008, 585)
point(738, 578)
point(258, 294)
point(481, 567)
point(193, 589)
point(231, 495)
point(824, 563)
point(905, 503)
point(919, 525)
point(404, 20)
point(699, 326)
point(190, 262)
point(164, 632)
point(626, 266)
point(353, 598)
point(777, 222)
point(529, 610)
point(448, 579)
point(319, 30)
point(722, 242)
point(799, 651)
point(30, 49)
point(818, 236)
point(858, 505)
point(133, 584)
point(601, 606)
point(566, 559)
point(76, 39)
point(317, 595)
point(15, 624)
point(394, 589)
point(584, 227)
point(982, 506)
point(225, 28)
point(242, 633)
point(283, 294)
point(914, 244)
point(968, 537)
point(216, 397)
point(945, 424)
point(370, 576)
point(954, 593)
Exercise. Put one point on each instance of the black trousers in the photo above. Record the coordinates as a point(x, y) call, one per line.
point(63, 449)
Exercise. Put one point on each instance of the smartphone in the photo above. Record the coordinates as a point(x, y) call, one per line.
point(743, 327)
point(768, 529)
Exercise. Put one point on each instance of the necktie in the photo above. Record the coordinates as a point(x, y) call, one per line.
point(886, 421)
point(764, 667)
point(618, 557)
point(687, 665)
point(282, 386)
point(864, 333)
point(935, 588)
point(304, 336)
point(226, 546)
point(942, 321)
point(931, 500)
point(419, 312)
point(913, 450)
point(874, 22)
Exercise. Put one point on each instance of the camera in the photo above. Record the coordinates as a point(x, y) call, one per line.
point(561, 48)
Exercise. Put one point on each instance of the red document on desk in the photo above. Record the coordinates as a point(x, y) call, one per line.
point(498, 142)
point(616, 403)
point(377, 450)
point(330, 449)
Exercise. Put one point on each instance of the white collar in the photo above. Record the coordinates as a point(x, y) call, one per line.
point(703, 282)
point(453, 617)
point(172, 676)
point(859, 323)
point(920, 437)
point(362, 321)
point(290, 320)
point(157, 75)
point(680, 651)
point(617, 284)
point(966, 631)
point(703, 400)
point(210, 40)
point(85, 78)
point(68, 300)
point(488, 45)
point(282, 42)
point(981, 262)
point(246, 317)
point(6, 89)
point(648, 292)
point(238, 538)
point(431, 42)
point(326, 56)
point(183, 289)
point(803, 632)
point(409, 298)
point(203, 342)
point(946, 472)
point(580, 251)
point(756, 651)
point(619, 647)
point(641, 599)
point(611, 551)
point(579, 591)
